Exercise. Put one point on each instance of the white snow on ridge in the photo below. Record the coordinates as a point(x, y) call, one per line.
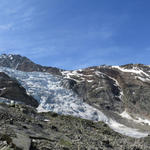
point(126, 115)
point(76, 73)
point(143, 79)
point(134, 70)
point(68, 74)
point(52, 96)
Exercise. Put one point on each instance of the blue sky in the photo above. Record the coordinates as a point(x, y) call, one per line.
point(73, 34)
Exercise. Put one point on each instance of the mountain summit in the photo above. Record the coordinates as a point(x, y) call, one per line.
point(19, 62)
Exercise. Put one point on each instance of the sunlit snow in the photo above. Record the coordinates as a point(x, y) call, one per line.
point(126, 130)
point(133, 70)
point(125, 114)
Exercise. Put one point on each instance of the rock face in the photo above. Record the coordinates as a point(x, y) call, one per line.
point(11, 89)
point(24, 64)
point(113, 89)
point(97, 88)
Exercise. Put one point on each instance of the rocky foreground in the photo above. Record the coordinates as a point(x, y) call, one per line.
point(22, 128)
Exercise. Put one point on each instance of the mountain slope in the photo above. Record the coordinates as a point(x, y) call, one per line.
point(114, 89)
point(119, 96)
point(23, 128)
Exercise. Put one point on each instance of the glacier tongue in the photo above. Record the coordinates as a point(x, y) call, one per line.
point(52, 96)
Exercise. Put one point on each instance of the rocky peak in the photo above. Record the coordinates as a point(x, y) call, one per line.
point(19, 62)
point(11, 61)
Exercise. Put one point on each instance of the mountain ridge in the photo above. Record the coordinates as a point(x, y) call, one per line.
point(22, 63)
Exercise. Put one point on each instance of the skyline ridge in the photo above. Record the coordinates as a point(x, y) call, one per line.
point(10, 55)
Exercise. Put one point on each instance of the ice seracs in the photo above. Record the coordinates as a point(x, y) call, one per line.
point(52, 96)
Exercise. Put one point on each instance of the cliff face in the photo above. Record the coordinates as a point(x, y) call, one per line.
point(114, 89)
point(12, 89)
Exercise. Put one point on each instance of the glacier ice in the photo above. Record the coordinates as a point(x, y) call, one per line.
point(52, 96)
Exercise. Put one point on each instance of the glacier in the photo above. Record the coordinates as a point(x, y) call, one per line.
point(48, 90)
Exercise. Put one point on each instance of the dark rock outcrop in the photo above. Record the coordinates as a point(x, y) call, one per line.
point(11, 89)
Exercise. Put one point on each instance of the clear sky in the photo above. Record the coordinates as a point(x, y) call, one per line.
point(73, 34)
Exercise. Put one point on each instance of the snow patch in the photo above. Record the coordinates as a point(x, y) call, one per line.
point(79, 77)
point(126, 130)
point(46, 120)
point(117, 84)
point(89, 80)
point(124, 114)
point(3, 56)
point(11, 57)
point(69, 74)
point(143, 79)
point(4, 88)
point(137, 119)
point(145, 121)
point(134, 70)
